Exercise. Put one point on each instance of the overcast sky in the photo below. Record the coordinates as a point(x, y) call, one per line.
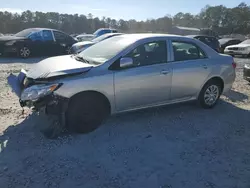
point(125, 9)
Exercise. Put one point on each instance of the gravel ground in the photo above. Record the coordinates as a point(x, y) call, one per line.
point(169, 147)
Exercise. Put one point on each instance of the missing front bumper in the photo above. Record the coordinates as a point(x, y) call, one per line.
point(53, 104)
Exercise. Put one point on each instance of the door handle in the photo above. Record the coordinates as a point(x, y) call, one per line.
point(164, 72)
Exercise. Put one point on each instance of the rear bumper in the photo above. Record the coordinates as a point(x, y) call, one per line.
point(53, 104)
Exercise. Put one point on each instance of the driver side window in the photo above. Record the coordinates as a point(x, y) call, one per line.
point(149, 53)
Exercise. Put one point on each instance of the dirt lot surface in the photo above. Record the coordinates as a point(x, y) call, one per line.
point(176, 146)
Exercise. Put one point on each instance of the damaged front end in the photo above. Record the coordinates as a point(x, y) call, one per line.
point(38, 94)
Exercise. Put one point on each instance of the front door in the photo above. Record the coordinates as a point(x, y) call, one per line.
point(191, 68)
point(148, 82)
point(41, 42)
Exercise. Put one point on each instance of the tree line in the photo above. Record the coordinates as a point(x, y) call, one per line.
point(220, 19)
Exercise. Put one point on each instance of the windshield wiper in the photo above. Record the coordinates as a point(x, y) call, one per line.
point(79, 58)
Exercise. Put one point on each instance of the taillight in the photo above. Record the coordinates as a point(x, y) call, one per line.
point(234, 65)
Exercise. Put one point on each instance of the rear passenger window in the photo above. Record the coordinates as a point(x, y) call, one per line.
point(186, 51)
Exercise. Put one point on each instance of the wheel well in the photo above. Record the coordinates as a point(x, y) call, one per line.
point(95, 94)
point(218, 80)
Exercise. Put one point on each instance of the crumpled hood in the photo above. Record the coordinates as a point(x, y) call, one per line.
point(8, 38)
point(57, 66)
point(239, 46)
point(84, 43)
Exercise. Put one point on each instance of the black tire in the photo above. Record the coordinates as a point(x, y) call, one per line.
point(86, 112)
point(24, 52)
point(203, 100)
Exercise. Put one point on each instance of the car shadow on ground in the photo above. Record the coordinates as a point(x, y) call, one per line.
point(236, 96)
point(13, 60)
point(174, 146)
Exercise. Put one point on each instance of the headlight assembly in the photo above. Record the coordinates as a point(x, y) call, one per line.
point(36, 92)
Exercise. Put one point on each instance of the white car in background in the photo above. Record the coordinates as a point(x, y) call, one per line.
point(84, 37)
point(80, 46)
point(242, 48)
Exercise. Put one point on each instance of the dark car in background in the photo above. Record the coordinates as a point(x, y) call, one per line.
point(208, 40)
point(224, 42)
point(36, 41)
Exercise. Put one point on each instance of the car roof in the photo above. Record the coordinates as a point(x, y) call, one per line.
point(193, 36)
point(40, 29)
point(105, 29)
point(229, 39)
point(139, 36)
point(110, 34)
point(85, 35)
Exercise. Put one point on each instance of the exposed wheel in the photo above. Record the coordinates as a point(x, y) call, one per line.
point(86, 113)
point(24, 52)
point(210, 94)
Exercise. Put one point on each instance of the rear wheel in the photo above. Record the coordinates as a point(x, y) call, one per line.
point(24, 52)
point(210, 94)
point(86, 112)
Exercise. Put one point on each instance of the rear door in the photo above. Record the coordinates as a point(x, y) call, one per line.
point(190, 70)
point(146, 83)
point(63, 42)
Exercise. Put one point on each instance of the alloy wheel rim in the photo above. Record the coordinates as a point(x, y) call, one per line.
point(24, 52)
point(211, 95)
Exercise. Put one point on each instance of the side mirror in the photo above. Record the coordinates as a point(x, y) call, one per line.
point(126, 62)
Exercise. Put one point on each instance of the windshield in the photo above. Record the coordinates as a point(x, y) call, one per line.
point(106, 49)
point(246, 41)
point(25, 33)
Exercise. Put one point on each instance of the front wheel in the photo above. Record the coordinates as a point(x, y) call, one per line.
point(210, 94)
point(24, 52)
point(86, 113)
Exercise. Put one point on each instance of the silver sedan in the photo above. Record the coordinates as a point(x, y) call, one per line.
point(125, 73)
